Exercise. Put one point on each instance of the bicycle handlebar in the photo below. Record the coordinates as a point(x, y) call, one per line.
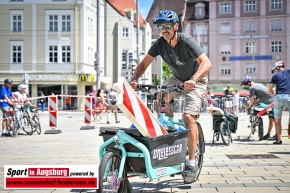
point(171, 88)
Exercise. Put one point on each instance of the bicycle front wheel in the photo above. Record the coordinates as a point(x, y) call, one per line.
point(36, 125)
point(200, 149)
point(26, 126)
point(108, 174)
point(225, 133)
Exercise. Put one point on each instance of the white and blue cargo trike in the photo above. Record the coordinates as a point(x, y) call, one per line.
point(147, 151)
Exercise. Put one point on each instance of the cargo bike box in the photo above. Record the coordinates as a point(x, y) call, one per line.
point(164, 150)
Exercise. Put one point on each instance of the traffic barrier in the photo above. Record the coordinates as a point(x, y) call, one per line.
point(53, 113)
point(136, 110)
point(88, 113)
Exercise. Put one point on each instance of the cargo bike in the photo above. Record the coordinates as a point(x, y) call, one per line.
point(224, 125)
point(149, 151)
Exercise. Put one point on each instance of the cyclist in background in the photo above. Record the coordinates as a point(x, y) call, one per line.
point(21, 102)
point(190, 66)
point(259, 91)
point(5, 94)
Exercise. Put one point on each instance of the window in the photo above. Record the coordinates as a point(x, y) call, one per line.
point(225, 7)
point(53, 54)
point(250, 6)
point(65, 51)
point(204, 48)
point(53, 23)
point(276, 25)
point(16, 21)
point(276, 46)
point(125, 32)
point(225, 69)
point(225, 28)
point(250, 48)
point(225, 48)
point(90, 26)
point(65, 23)
point(250, 69)
point(250, 26)
point(276, 4)
point(200, 29)
point(16, 52)
point(200, 12)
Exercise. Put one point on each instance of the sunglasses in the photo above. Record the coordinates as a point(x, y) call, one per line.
point(167, 27)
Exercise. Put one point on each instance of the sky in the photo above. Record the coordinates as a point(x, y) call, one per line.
point(144, 7)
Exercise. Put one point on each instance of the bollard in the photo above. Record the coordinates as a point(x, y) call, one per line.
point(53, 113)
point(88, 113)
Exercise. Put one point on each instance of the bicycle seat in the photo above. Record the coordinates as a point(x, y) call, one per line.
point(114, 130)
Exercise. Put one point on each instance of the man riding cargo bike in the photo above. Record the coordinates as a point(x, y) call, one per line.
point(190, 66)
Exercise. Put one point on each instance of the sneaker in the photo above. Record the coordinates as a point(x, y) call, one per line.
point(189, 174)
point(277, 143)
point(275, 137)
point(267, 136)
point(117, 121)
point(108, 122)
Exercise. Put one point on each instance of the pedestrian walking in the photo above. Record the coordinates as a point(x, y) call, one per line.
point(41, 102)
point(112, 107)
point(280, 79)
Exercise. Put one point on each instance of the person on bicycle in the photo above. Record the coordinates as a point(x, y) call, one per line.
point(259, 91)
point(190, 65)
point(21, 102)
point(281, 79)
point(5, 94)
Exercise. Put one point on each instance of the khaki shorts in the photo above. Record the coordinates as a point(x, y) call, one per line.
point(193, 98)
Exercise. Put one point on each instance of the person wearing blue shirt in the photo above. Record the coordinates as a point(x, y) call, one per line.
point(5, 96)
point(281, 79)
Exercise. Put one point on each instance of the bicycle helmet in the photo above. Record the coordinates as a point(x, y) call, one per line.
point(246, 80)
point(166, 16)
point(21, 86)
point(278, 64)
point(8, 80)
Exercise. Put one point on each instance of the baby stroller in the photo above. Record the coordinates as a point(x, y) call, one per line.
point(224, 124)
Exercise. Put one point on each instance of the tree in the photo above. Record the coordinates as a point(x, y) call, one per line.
point(166, 70)
point(156, 81)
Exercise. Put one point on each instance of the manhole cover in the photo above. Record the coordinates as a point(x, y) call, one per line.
point(252, 156)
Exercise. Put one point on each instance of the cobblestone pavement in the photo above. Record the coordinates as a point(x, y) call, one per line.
point(219, 173)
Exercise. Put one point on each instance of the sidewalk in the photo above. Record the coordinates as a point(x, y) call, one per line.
point(219, 173)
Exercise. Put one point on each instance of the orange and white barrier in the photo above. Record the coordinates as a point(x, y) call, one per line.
point(88, 109)
point(52, 110)
point(137, 111)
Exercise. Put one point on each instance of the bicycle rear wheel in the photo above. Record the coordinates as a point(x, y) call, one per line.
point(260, 129)
point(225, 133)
point(108, 174)
point(200, 149)
point(26, 126)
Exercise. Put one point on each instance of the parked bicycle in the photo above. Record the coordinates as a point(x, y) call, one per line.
point(256, 112)
point(224, 124)
point(126, 153)
point(31, 121)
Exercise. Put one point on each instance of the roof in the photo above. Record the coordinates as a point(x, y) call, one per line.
point(120, 6)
